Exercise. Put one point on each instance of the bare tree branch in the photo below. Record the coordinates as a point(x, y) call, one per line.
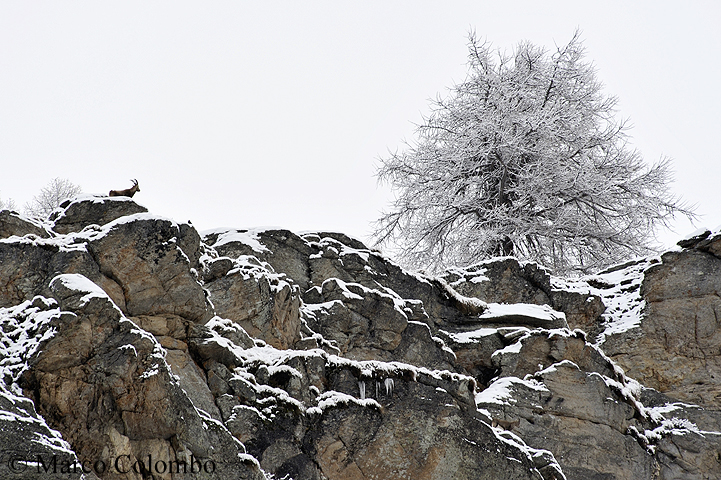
point(50, 197)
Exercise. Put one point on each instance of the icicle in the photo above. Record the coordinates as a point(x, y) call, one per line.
point(389, 386)
point(378, 387)
point(362, 388)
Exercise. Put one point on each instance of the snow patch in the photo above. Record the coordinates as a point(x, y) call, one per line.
point(80, 283)
point(620, 292)
point(246, 237)
point(698, 232)
point(471, 336)
point(334, 399)
point(541, 312)
point(500, 392)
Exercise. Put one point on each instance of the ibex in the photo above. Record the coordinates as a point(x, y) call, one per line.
point(128, 192)
point(505, 424)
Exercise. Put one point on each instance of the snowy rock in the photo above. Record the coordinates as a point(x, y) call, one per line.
point(419, 434)
point(357, 317)
point(122, 333)
point(28, 264)
point(506, 280)
point(547, 347)
point(12, 223)
point(265, 304)
point(559, 392)
point(419, 347)
point(143, 255)
point(284, 250)
point(29, 445)
point(473, 350)
point(576, 416)
point(75, 214)
point(676, 347)
point(106, 386)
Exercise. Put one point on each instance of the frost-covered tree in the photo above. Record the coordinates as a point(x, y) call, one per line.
point(8, 204)
point(525, 157)
point(50, 197)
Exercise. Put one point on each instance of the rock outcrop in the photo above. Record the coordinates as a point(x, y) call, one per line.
point(14, 224)
point(676, 347)
point(132, 346)
point(78, 213)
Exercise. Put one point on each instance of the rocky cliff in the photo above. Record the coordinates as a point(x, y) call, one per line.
point(133, 347)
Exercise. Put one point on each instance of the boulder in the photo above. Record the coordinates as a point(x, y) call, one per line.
point(12, 223)
point(142, 254)
point(28, 264)
point(263, 303)
point(75, 214)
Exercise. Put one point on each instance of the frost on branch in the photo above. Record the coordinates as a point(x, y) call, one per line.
point(525, 157)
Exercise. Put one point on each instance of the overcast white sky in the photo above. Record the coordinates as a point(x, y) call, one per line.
point(242, 114)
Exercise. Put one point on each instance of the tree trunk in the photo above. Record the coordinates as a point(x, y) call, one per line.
point(507, 247)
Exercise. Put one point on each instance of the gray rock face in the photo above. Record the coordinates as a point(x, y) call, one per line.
point(350, 440)
point(682, 326)
point(27, 265)
point(106, 385)
point(267, 354)
point(137, 260)
point(263, 303)
point(283, 250)
point(558, 392)
point(506, 280)
point(12, 223)
point(142, 255)
point(30, 448)
point(359, 319)
point(75, 214)
point(675, 347)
